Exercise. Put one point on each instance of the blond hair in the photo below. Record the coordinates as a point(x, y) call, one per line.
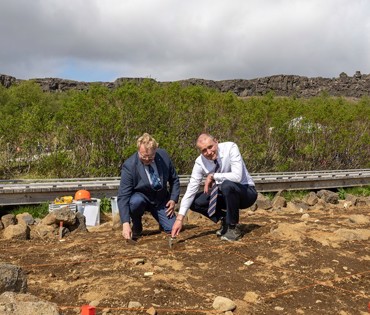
point(147, 141)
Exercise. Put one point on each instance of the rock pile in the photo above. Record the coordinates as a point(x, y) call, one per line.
point(354, 86)
point(23, 226)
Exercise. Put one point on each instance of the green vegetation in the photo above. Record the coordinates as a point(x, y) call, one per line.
point(105, 205)
point(37, 211)
point(90, 134)
point(359, 191)
point(291, 195)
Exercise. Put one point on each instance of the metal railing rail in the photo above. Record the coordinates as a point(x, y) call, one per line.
point(35, 191)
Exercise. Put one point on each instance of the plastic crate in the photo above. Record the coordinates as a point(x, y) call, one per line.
point(71, 206)
point(90, 209)
point(114, 206)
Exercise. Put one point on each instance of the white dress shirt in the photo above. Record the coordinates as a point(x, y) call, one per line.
point(232, 167)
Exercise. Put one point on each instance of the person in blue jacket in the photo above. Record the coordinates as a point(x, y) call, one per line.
point(149, 182)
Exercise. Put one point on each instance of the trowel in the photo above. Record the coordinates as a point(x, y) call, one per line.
point(171, 242)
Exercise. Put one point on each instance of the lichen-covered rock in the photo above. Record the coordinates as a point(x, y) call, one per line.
point(25, 304)
point(12, 278)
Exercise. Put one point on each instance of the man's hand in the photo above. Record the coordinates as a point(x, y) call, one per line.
point(170, 205)
point(176, 228)
point(208, 183)
point(126, 231)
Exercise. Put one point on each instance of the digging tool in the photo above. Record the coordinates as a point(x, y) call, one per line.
point(131, 242)
point(61, 231)
point(171, 242)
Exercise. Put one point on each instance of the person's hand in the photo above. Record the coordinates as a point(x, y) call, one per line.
point(126, 231)
point(208, 183)
point(177, 226)
point(170, 205)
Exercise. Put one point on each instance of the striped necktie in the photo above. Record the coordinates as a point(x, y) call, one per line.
point(156, 183)
point(213, 197)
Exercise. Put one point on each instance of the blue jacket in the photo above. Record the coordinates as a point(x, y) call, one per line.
point(134, 179)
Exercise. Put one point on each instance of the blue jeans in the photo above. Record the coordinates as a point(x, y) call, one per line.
point(139, 203)
point(231, 197)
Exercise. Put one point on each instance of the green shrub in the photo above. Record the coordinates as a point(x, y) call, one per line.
point(90, 134)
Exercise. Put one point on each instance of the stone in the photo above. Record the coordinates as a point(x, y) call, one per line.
point(66, 215)
point(359, 219)
point(251, 297)
point(328, 196)
point(8, 219)
point(25, 218)
point(353, 235)
point(43, 231)
point(49, 219)
point(305, 216)
point(279, 202)
point(134, 304)
point(17, 232)
point(12, 303)
point(80, 223)
point(151, 311)
point(362, 202)
point(311, 199)
point(138, 261)
point(263, 202)
point(223, 304)
point(351, 198)
point(12, 278)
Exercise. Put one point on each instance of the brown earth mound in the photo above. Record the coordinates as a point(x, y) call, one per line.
point(288, 262)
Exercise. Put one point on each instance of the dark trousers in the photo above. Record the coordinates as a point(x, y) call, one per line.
point(139, 203)
point(231, 197)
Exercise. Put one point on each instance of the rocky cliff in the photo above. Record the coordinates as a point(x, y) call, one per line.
point(354, 86)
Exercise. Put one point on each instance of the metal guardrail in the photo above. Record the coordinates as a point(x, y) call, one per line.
point(35, 191)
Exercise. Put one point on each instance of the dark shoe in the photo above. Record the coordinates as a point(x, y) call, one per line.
point(223, 228)
point(232, 234)
point(137, 231)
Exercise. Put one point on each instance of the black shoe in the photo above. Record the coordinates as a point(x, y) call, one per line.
point(223, 228)
point(137, 231)
point(232, 234)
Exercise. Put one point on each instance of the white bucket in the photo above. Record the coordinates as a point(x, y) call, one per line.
point(90, 209)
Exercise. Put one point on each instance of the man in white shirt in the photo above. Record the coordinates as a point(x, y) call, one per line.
point(236, 188)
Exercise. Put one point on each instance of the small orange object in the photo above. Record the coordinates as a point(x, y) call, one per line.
point(87, 310)
point(82, 195)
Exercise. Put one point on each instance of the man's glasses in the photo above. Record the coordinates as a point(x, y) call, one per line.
point(147, 157)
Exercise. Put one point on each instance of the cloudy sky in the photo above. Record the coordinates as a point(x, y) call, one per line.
point(168, 40)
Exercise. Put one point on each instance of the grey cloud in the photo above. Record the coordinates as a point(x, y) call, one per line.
point(175, 39)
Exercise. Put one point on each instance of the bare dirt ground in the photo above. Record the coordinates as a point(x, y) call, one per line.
point(283, 265)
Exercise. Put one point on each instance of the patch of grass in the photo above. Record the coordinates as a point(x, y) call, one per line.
point(290, 195)
point(363, 191)
point(269, 195)
point(37, 211)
